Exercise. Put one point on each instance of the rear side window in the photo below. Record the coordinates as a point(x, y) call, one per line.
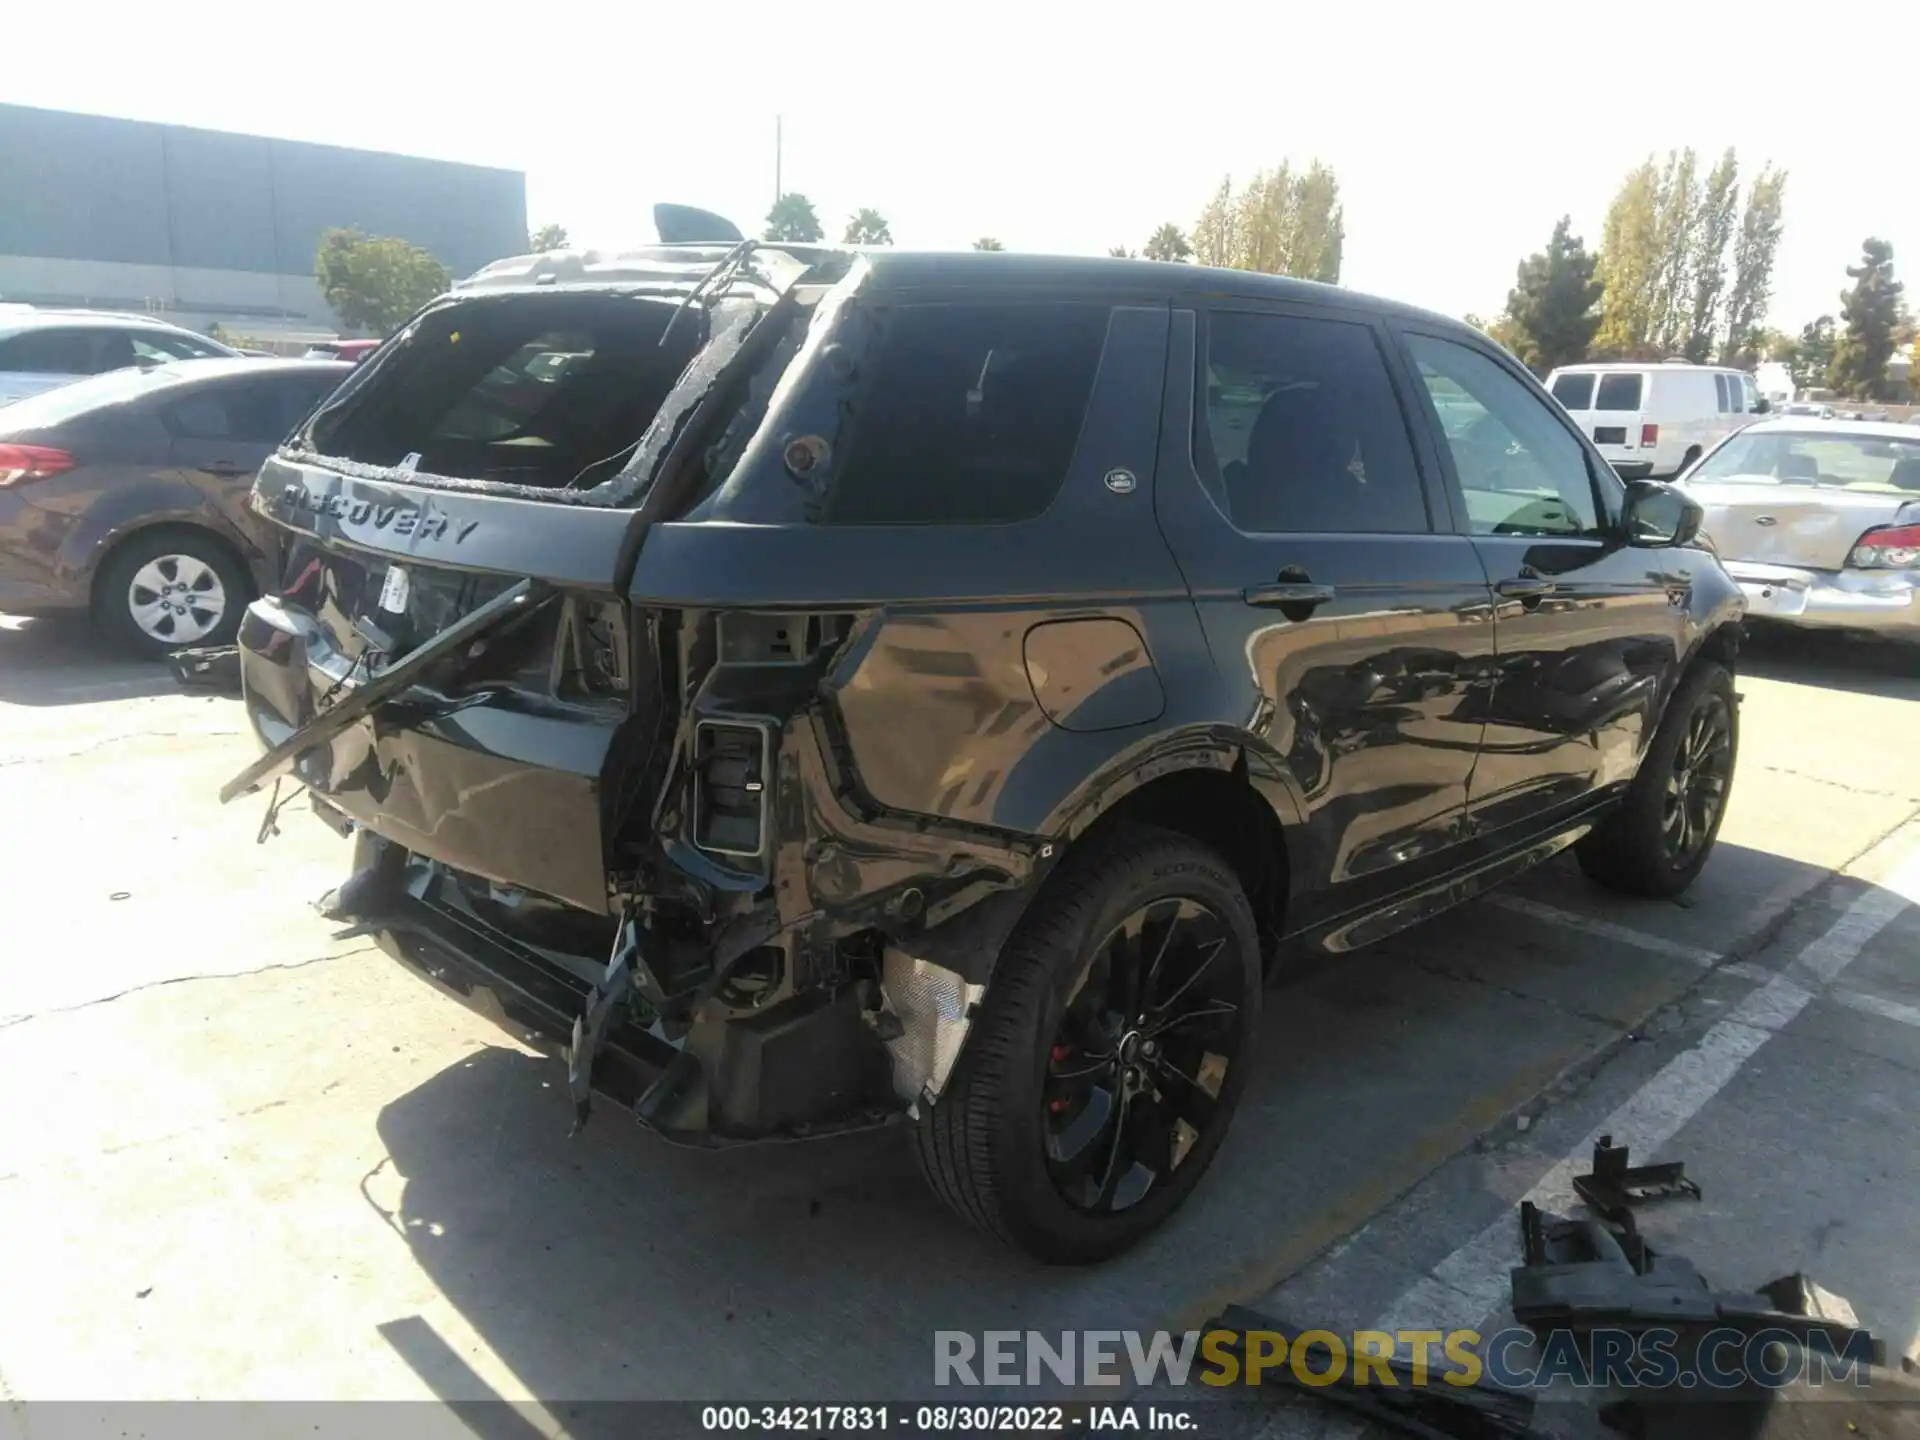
point(49, 352)
point(1302, 430)
point(1618, 392)
point(971, 414)
point(1574, 391)
point(258, 413)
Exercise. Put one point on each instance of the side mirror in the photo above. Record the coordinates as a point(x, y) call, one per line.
point(1762, 405)
point(1659, 516)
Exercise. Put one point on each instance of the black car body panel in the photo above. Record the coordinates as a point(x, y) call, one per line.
point(824, 758)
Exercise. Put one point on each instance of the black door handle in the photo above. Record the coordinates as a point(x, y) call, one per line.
point(1524, 589)
point(1284, 594)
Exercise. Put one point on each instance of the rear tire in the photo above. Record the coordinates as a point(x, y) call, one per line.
point(1658, 840)
point(1108, 1056)
point(170, 589)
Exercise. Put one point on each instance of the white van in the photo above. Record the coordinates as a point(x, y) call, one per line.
point(1656, 419)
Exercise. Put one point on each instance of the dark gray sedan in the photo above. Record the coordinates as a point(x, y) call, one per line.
point(125, 495)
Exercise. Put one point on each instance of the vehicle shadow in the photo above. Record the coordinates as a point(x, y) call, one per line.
point(615, 1266)
point(62, 660)
point(1859, 664)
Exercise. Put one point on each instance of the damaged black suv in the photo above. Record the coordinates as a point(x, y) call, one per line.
point(811, 689)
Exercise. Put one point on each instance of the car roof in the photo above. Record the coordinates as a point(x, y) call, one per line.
point(14, 322)
point(1810, 425)
point(929, 269)
point(1600, 367)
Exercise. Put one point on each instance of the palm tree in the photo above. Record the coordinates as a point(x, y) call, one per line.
point(987, 242)
point(867, 227)
point(1169, 243)
point(792, 218)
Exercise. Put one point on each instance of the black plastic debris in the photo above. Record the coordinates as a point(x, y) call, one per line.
point(213, 669)
point(1615, 1187)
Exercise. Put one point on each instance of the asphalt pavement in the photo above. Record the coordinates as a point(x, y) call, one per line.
point(241, 1159)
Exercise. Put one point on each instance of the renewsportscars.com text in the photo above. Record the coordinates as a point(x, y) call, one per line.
point(1725, 1358)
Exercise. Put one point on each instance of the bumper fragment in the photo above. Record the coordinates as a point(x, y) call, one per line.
point(1884, 601)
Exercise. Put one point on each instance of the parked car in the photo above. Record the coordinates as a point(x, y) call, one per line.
point(42, 349)
point(880, 686)
point(125, 495)
point(354, 350)
point(1819, 522)
point(1655, 420)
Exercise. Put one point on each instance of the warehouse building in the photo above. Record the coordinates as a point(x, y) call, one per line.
point(204, 227)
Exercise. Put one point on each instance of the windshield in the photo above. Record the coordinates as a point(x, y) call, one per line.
point(1854, 462)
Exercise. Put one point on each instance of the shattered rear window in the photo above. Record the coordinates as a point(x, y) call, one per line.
point(540, 391)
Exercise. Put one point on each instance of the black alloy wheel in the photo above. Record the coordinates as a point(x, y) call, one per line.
point(1137, 1065)
point(1659, 836)
point(1104, 1065)
point(1701, 777)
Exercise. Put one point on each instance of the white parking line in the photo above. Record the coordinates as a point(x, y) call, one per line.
point(1472, 1282)
point(1606, 930)
point(1694, 955)
point(1873, 1005)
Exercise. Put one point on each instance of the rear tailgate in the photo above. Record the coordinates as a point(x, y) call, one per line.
point(493, 758)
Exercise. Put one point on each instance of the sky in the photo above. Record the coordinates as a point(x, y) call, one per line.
point(1460, 133)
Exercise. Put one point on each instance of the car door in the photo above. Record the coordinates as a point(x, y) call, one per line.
point(1345, 616)
point(1589, 631)
point(222, 432)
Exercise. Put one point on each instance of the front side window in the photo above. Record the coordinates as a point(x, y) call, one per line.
point(970, 415)
point(1302, 430)
point(154, 347)
point(1521, 470)
point(1575, 392)
point(1618, 392)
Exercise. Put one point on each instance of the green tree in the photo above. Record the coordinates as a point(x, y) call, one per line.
point(1551, 313)
point(1213, 232)
point(1630, 264)
point(1281, 223)
point(374, 282)
point(1714, 219)
point(1871, 310)
point(792, 219)
point(547, 237)
point(987, 242)
point(1168, 243)
point(1812, 354)
point(1754, 249)
point(1121, 252)
point(1676, 242)
point(867, 227)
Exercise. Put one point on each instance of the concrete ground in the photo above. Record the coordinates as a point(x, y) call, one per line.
point(242, 1160)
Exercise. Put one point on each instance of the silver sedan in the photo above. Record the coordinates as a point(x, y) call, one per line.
point(1818, 521)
